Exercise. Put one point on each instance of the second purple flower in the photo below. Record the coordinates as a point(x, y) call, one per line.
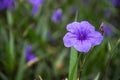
point(36, 4)
point(4, 4)
point(57, 16)
point(29, 55)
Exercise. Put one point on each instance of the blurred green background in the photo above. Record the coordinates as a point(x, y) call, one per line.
point(18, 28)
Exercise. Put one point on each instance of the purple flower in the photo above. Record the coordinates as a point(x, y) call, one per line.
point(36, 4)
point(29, 55)
point(82, 36)
point(116, 2)
point(4, 4)
point(57, 16)
point(107, 29)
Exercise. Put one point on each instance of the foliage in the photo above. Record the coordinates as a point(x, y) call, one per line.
point(19, 28)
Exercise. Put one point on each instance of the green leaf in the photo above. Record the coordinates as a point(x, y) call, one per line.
point(11, 45)
point(21, 66)
point(9, 18)
point(4, 34)
point(109, 46)
point(73, 64)
point(10, 53)
point(97, 77)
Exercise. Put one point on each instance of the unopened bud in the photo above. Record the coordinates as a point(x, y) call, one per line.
point(102, 28)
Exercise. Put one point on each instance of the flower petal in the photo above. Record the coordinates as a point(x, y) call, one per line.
point(73, 27)
point(30, 57)
point(35, 10)
point(95, 37)
point(85, 25)
point(69, 39)
point(28, 49)
point(82, 46)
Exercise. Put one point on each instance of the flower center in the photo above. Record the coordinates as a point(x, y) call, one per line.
point(82, 36)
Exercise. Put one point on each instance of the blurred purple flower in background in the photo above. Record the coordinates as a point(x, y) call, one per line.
point(82, 36)
point(108, 12)
point(29, 55)
point(36, 5)
point(57, 16)
point(4, 4)
point(107, 29)
point(116, 2)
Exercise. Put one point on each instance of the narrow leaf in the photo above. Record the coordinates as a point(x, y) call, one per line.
point(73, 64)
point(21, 66)
point(9, 18)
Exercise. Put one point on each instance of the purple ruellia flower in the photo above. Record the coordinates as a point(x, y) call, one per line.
point(107, 29)
point(116, 2)
point(82, 36)
point(57, 16)
point(36, 4)
point(4, 4)
point(29, 55)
